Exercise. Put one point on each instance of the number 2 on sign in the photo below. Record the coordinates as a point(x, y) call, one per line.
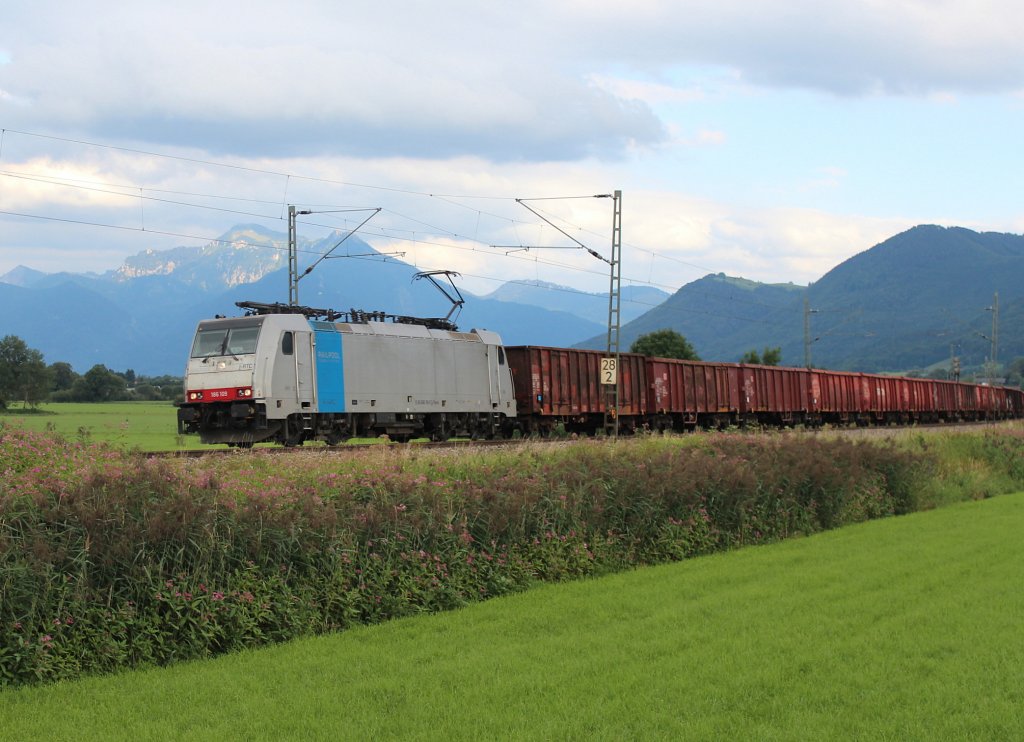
point(609, 371)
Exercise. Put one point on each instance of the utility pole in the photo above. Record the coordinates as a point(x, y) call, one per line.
point(293, 259)
point(609, 371)
point(807, 331)
point(995, 328)
point(611, 407)
point(990, 362)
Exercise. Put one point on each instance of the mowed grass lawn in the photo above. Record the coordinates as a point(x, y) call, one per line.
point(906, 628)
point(149, 426)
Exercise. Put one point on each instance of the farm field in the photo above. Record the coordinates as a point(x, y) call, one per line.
point(149, 426)
point(902, 628)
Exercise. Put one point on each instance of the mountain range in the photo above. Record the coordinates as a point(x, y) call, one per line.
point(142, 315)
point(904, 303)
point(907, 303)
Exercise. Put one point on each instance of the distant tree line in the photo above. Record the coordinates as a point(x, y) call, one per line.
point(1015, 372)
point(768, 357)
point(25, 378)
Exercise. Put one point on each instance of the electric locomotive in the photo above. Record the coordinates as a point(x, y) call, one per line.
point(288, 374)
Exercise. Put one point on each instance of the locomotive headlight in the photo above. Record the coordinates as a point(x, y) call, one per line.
point(195, 396)
point(244, 392)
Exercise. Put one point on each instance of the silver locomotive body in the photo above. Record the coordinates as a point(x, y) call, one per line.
point(287, 379)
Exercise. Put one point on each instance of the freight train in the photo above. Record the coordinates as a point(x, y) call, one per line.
point(288, 374)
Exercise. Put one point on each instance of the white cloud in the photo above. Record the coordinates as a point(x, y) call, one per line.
point(530, 81)
point(845, 46)
point(801, 245)
point(538, 98)
point(646, 91)
point(315, 79)
point(670, 238)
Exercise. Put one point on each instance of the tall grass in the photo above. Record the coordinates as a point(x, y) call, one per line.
point(971, 466)
point(108, 560)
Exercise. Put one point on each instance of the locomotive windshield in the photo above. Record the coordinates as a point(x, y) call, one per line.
point(226, 339)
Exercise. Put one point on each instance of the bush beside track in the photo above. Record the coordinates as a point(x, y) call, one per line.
point(109, 560)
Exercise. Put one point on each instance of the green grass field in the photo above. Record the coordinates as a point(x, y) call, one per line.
point(149, 426)
point(904, 628)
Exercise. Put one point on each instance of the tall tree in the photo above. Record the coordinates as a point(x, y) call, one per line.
point(62, 376)
point(23, 373)
point(665, 343)
point(98, 384)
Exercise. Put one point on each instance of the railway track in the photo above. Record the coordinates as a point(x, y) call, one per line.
point(353, 448)
point(348, 448)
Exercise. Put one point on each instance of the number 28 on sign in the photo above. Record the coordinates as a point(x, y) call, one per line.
point(609, 371)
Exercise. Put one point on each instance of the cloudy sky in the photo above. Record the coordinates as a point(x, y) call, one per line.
point(769, 140)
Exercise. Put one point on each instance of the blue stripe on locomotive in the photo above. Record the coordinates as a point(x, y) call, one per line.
point(330, 370)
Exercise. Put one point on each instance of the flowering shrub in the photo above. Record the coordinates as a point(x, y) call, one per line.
point(110, 560)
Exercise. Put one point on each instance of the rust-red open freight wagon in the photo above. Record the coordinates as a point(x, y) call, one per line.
point(563, 385)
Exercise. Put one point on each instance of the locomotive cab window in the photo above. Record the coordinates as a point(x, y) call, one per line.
point(225, 340)
point(501, 356)
point(287, 343)
point(243, 340)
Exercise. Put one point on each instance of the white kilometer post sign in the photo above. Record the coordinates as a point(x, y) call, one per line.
point(609, 372)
